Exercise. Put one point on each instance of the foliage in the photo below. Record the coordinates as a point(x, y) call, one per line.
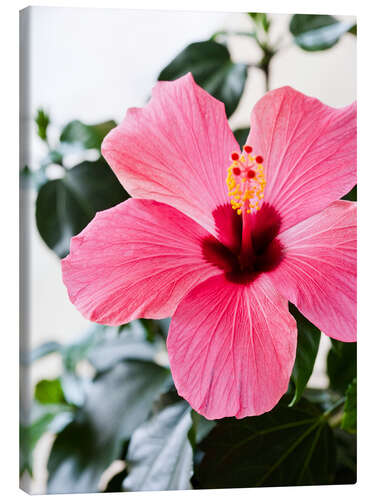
point(124, 405)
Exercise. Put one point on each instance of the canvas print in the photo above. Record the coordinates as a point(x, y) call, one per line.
point(188, 250)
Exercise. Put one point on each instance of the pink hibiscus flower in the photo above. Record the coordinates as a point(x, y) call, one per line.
point(221, 239)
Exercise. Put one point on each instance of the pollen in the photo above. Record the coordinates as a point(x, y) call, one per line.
point(246, 181)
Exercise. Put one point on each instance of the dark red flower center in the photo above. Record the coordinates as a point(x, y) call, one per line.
point(263, 255)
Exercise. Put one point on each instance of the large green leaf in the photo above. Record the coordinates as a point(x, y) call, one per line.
point(307, 349)
point(346, 466)
point(349, 419)
point(160, 456)
point(341, 364)
point(86, 136)
point(285, 447)
point(117, 402)
point(212, 68)
point(317, 32)
point(65, 206)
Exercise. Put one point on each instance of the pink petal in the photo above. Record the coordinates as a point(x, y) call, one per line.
point(318, 272)
point(309, 152)
point(232, 347)
point(137, 259)
point(176, 150)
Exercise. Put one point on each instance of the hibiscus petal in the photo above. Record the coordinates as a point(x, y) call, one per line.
point(232, 347)
point(176, 150)
point(137, 259)
point(318, 272)
point(309, 152)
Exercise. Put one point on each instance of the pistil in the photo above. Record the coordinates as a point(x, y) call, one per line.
point(246, 183)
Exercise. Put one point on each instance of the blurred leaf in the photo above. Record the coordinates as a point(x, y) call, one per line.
point(241, 135)
point(349, 420)
point(212, 68)
point(128, 344)
point(116, 403)
point(43, 350)
point(353, 30)
point(42, 120)
point(341, 364)
point(160, 456)
point(352, 195)
point(86, 136)
point(80, 349)
point(317, 32)
point(261, 19)
point(49, 392)
point(51, 418)
point(307, 349)
point(65, 206)
point(285, 447)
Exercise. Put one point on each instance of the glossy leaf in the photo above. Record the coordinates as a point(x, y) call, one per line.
point(285, 447)
point(241, 134)
point(212, 68)
point(116, 403)
point(307, 350)
point(86, 136)
point(341, 364)
point(317, 32)
point(65, 206)
point(349, 420)
point(160, 456)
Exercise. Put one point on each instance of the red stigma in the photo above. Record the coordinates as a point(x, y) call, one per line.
point(250, 174)
point(259, 159)
point(236, 171)
point(248, 149)
point(235, 156)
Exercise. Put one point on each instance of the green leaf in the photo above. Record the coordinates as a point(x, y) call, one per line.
point(241, 134)
point(41, 351)
point(349, 420)
point(353, 30)
point(160, 456)
point(49, 392)
point(86, 136)
point(341, 364)
point(317, 32)
point(65, 206)
point(346, 468)
point(352, 195)
point(42, 120)
point(212, 68)
point(285, 447)
point(261, 19)
point(307, 349)
point(46, 418)
point(116, 403)
point(128, 344)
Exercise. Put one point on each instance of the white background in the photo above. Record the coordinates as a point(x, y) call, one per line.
point(10, 224)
